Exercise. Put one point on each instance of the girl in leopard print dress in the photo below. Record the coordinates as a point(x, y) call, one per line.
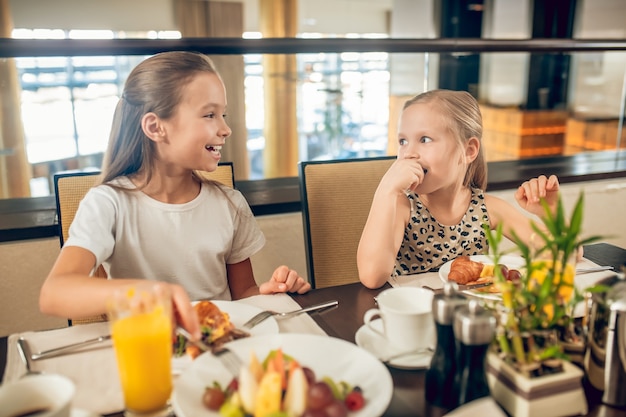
point(430, 205)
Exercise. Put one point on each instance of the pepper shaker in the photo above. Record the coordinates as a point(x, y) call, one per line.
point(474, 330)
point(441, 373)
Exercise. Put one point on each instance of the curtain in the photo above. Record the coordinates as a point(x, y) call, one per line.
point(279, 19)
point(213, 19)
point(15, 172)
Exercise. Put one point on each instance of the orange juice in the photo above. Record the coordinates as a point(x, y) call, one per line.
point(143, 346)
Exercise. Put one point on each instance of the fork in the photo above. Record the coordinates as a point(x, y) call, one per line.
point(24, 351)
point(264, 315)
point(227, 357)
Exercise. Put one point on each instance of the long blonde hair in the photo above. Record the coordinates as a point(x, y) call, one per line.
point(462, 114)
point(155, 85)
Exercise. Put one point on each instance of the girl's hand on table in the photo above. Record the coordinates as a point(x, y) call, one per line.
point(285, 280)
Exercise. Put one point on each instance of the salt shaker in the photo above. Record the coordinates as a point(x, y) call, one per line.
point(474, 330)
point(441, 373)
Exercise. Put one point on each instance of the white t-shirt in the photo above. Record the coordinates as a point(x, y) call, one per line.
point(135, 236)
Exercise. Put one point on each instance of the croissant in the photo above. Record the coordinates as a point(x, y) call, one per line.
point(464, 270)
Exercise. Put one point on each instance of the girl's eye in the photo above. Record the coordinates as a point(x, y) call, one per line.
point(425, 139)
point(403, 142)
point(210, 115)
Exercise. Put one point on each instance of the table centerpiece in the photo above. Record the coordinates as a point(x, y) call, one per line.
point(528, 368)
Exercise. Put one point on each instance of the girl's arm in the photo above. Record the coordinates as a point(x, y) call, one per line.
point(387, 219)
point(530, 193)
point(528, 196)
point(242, 283)
point(69, 291)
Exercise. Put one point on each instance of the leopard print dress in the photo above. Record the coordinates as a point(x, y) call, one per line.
point(428, 244)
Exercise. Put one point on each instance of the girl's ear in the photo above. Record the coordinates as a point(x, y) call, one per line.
point(151, 126)
point(471, 149)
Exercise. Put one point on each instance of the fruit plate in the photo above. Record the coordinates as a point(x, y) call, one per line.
point(326, 356)
point(511, 262)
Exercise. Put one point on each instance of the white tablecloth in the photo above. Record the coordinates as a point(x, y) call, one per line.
point(93, 369)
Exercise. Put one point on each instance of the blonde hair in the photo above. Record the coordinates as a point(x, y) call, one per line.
point(155, 85)
point(461, 113)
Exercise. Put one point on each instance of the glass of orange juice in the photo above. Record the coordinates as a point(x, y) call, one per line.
point(141, 329)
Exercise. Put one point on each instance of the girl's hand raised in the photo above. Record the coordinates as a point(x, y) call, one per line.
point(403, 175)
point(285, 280)
point(530, 193)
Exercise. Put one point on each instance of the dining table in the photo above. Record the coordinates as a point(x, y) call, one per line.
point(408, 399)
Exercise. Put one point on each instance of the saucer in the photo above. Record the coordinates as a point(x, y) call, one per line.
point(77, 412)
point(382, 349)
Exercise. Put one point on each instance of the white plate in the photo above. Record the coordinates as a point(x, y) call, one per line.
point(77, 412)
point(239, 313)
point(326, 356)
point(382, 349)
point(512, 262)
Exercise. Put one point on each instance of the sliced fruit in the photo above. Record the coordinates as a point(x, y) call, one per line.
point(296, 395)
point(268, 396)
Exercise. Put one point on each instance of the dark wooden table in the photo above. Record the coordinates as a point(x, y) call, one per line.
point(408, 397)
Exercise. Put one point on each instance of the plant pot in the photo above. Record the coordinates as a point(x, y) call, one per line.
point(554, 395)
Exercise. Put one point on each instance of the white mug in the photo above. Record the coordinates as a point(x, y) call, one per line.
point(407, 318)
point(49, 394)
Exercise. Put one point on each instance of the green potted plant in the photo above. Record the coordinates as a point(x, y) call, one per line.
point(529, 369)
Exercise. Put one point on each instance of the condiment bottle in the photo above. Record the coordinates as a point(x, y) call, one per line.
point(474, 330)
point(441, 373)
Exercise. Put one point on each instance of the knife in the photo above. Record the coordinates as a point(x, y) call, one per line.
point(67, 348)
point(461, 287)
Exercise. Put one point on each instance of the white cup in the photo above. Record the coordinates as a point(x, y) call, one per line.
point(407, 318)
point(48, 393)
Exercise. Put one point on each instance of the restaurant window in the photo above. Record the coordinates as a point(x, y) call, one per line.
point(68, 103)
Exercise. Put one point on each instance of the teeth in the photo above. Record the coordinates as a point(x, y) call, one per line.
point(214, 148)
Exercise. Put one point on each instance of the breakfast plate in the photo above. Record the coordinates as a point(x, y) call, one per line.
point(382, 349)
point(239, 313)
point(326, 356)
point(511, 261)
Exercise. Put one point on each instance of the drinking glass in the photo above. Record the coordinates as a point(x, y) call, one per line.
point(141, 329)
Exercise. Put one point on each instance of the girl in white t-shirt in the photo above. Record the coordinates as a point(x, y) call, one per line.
point(153, 217)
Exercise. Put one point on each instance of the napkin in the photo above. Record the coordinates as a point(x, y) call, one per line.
point(94, 369)
point(302, 323)
point(485, 406)
point(430, 279)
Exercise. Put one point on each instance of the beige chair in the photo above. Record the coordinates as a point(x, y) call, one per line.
point(225, 174)
point(336, 198)
point(71, 187)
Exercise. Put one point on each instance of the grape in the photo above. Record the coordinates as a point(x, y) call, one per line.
point(309, 374)
point(504, 270)
point(514, 275)
point(314, 413)
point(337, 408)
point(319, 396)
point(213, 398)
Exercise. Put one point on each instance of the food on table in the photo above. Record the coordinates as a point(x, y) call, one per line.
point(466, 271)
point(279, 386)
point(216, 328)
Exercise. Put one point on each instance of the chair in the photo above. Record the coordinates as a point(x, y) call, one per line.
point(225, 174)
point(336, 197)
point(71, 187)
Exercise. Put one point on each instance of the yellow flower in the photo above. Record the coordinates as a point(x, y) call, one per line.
point(542, 269)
